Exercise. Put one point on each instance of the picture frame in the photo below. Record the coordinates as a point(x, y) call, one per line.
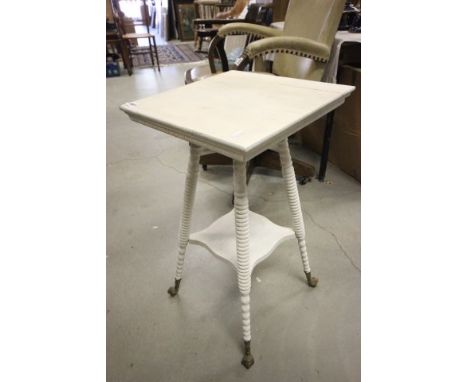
point(185, 15)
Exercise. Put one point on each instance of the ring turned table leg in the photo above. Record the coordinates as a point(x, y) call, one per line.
point(241, 212)
point(295, 207)
point(184, 230)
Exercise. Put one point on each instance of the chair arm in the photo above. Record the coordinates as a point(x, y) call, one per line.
point(247, 28)
point(215, 21)
point(212, 4)
point(208, 2)
point(298, 46)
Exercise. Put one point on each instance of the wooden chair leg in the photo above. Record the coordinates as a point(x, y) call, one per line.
point(126, 57)
point(151, 50)
point(199, 44)
point(156, 51)
point(195, 39)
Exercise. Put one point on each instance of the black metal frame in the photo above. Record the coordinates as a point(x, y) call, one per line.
point(326, 146)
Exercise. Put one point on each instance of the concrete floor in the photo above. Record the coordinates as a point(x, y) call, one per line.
point(298, 333)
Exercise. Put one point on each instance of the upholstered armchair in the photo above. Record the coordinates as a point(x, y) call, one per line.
point(205, 12)
point(300, 50)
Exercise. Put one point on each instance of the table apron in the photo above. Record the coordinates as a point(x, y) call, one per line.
point(230, 151)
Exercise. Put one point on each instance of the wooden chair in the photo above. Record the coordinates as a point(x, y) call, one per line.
point(206, 25)
point(300, 50)
point(258, 13)
point(114, 43)
point(206, 10)
point(126, 27)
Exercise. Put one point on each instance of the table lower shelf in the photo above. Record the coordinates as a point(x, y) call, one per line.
point(220, 238)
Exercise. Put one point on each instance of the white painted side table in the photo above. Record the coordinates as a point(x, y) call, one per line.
point(240, 115)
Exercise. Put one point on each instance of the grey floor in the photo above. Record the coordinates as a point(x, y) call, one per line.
point(298, 333)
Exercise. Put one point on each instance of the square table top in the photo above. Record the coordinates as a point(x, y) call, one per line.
point(238, 114)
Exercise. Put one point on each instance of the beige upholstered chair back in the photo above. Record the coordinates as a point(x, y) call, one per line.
point(314, 19)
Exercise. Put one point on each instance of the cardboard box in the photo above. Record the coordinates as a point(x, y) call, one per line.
point(345, 143)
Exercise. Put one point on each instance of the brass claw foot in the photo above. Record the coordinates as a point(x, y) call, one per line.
point(174, 289)
point(312, 281)
point(248, 359)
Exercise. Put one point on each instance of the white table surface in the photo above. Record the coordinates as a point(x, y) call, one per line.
point(238, 114)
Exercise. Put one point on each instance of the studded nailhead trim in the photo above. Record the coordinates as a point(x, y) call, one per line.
point(293, 52)
point(270, 51)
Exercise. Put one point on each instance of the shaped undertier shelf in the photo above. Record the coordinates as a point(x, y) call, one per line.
point(220, 238)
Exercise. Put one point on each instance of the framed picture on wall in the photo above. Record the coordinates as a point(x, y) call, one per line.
point(185, 16)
